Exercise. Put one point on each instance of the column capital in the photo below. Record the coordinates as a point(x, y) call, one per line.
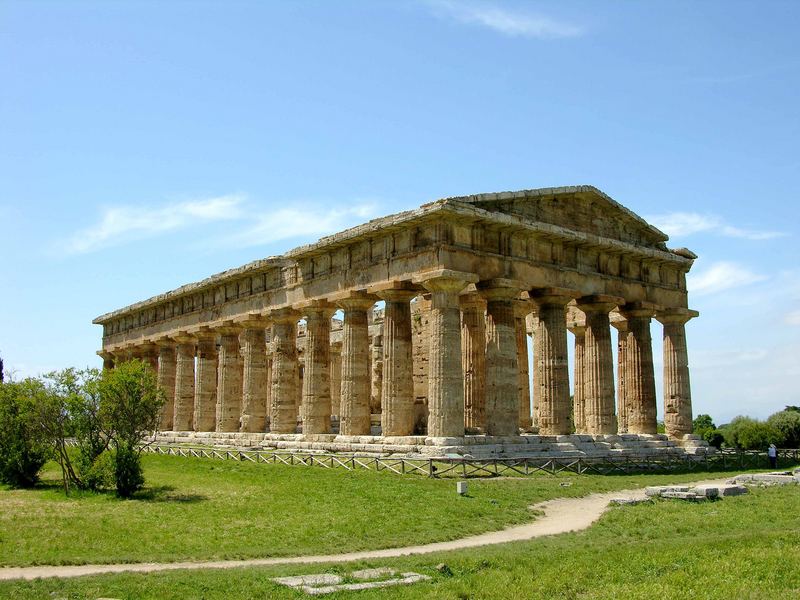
point(472, 300)
point(354, 300)
point(202, 332)
point(284, 314)
point(523, 307)
point(183, 337)
point(617, 321)
point(499, 289)
point(445, 280)
point(552, 296)
point(575, 317)
point(395, 291)
point(252, 320)
point(599, 303)
point(638, 309)
point(675, 315)
point(228, 327)
point(578, 330)
point(316, 308)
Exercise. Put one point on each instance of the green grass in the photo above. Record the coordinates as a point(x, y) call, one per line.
point(205, 509)
point(742, 547)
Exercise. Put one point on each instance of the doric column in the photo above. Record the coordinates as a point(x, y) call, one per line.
point(205, 393)
point(522, 309)
point(148, 353)
point(531, 323)
point(184, 383)
point(621, 325)
point(108, 360)
point(283, 402)
point(677, 388)
point(445, 375)
point(579, 331)
point(354, 415)
point(255, 382)
point(336, 378)
point(598, 386)
point(316, 374)
point(640, 386)
point(473, 360)
point(502, 396)
point(397, 410)
point(166, 381)
point(552, 370)
point(229, 379)
point(376, 373)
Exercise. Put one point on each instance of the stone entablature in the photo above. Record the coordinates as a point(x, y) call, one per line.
point(478, 273)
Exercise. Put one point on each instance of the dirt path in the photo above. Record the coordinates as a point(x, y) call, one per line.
point(560, 515)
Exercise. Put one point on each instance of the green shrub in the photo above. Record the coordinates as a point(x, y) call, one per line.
point(23, 448)
point(714, 437)
point(787, 422)
point(128, 474)
point(98, 473)
point(750, 434)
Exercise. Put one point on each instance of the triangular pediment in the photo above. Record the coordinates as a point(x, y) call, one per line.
point(578, 208)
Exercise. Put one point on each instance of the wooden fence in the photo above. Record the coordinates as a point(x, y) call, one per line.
point(469, 467)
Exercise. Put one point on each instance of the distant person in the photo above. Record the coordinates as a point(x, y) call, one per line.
point(772, 452)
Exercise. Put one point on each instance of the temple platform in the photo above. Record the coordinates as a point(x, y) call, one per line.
point(471, 446)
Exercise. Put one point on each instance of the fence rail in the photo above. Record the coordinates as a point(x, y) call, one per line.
point(470, 468)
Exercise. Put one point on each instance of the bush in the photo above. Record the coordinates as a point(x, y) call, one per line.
point(714, 437)
point(787, 422)
point(99, 473)
point(128, 475)
point(750, 434)
point(702, 425)
point(23, 448)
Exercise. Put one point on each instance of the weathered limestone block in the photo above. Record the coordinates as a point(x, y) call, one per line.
point(205, 396)
point(256, 383)
point(229, 380)
point(523, 308)
point(397, 411)
point(354, 417)
point(473, 360)
point(552, 381)
point(283, 407)
point(316, 375)
point(677, 389)
point(640, 387)
point(166, 381)
point(184, 383)
point(502, 396)
point(445, 378)
point(599, 368)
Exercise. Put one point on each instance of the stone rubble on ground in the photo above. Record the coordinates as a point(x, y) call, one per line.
point(327, 583)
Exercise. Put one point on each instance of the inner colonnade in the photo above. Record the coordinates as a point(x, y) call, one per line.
point(463, 282)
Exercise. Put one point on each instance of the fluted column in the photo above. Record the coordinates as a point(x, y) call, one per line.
point(184, 383)
point(522, 309)
point(578, 401)
point(552, 370)
point(336, 378)
point(255, 382)
point(502, 396)
point(640, 387)
point(473, 360)
point(149, 354)
point(397, 410)
point(229, 379)
point(316, 374)
point(376, 373)
point(354, 416)
point(621, 325)
point(166, 381)
point(598, 385)
point(677, 388)
point(283, 402)
point(205, 393)
point(445, 375)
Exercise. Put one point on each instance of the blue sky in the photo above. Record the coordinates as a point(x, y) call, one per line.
point(145, 145)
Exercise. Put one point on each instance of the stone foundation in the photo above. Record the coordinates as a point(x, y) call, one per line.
point(472, 447)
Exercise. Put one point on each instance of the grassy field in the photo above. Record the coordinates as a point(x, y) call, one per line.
point(743, 547)
point(204, 509)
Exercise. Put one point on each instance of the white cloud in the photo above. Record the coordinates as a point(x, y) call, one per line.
point(721, 276)
point(301, 221)
point(682, 224)
point(120, 224)
point(502, 20)
point(792, 318)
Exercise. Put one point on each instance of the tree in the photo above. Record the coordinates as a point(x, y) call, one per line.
point(23, 448)
point(703, 423)
point(787, 422)
point(750, 434)
point(130, 407)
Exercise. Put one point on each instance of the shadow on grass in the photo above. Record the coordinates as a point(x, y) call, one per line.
point(161, 493)
point(164, 493)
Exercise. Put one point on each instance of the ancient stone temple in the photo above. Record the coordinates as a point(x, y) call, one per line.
point(410, 334)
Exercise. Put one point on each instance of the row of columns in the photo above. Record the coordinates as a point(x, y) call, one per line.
point(477, 381)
